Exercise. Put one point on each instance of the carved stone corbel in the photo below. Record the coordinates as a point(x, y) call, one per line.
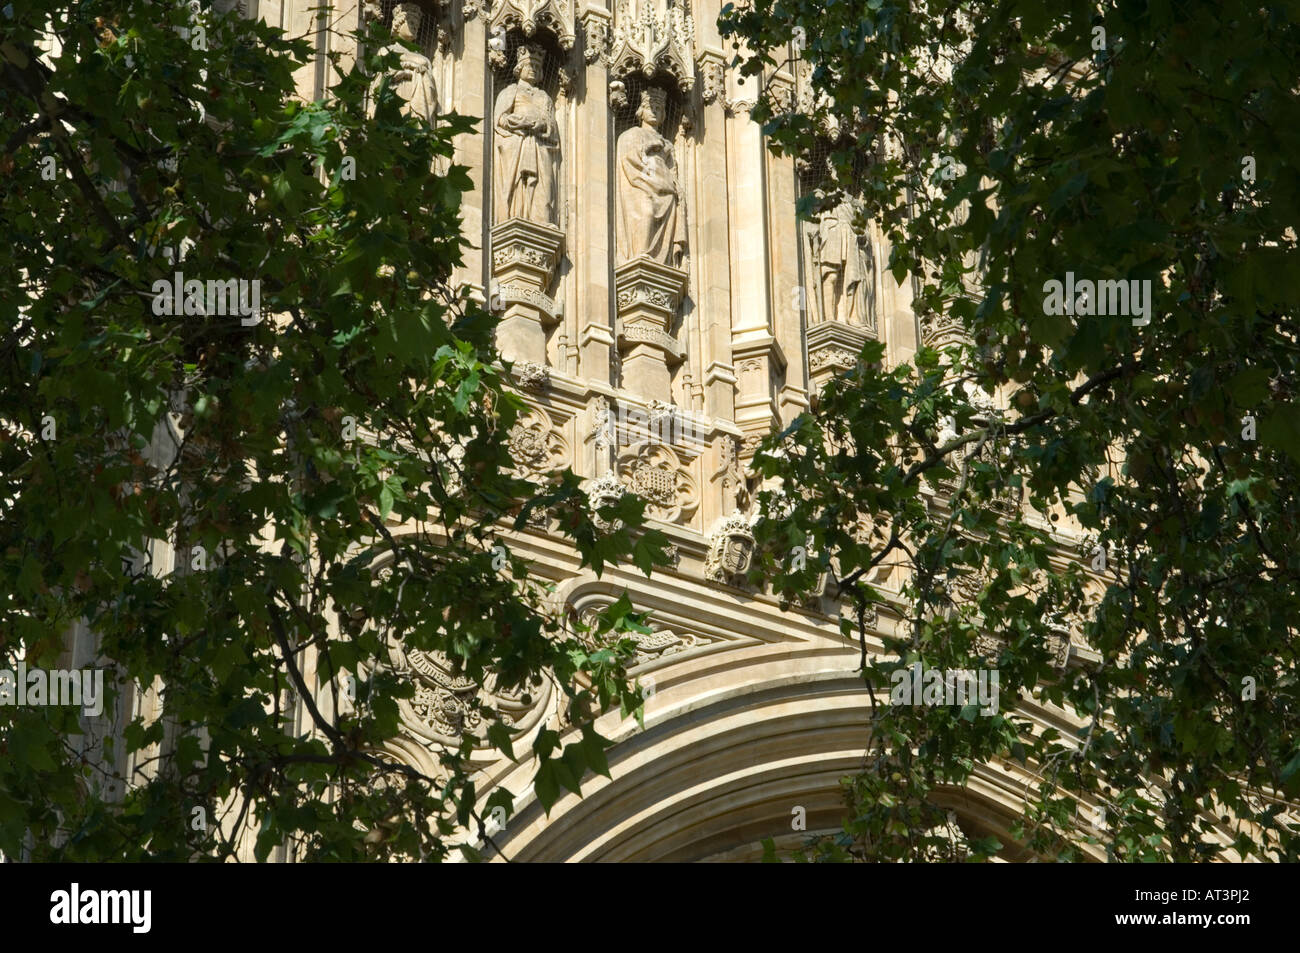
point(524, 257)
point(649, 294)
point(780, 90)
point(833, 347)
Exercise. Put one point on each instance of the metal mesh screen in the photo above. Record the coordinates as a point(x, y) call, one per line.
point(503, 60)
point(427, 35)
point(625, 113)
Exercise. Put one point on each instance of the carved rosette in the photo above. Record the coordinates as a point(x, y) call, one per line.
point(654, 473)
point(537, 449)
point(650, 42)
point(731, 549)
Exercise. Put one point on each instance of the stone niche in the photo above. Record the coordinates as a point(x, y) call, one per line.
point(652, 76)
point(529, 48)
point(650, 239)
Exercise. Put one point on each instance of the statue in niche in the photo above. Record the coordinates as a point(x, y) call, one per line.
point(845, 267)
point(527, 142)
point(649, 217)
point(413, 79)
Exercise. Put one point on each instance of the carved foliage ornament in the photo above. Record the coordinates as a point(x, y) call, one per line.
point(713, 72)
point(833, 357)
point(528, 16)
point(532, 375)
point(595, 33)
point(649, 41)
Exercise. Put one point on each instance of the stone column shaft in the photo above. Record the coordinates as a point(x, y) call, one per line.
point(592, 242)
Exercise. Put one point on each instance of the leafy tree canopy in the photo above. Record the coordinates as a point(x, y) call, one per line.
point(361, 421)
point(1011, 144)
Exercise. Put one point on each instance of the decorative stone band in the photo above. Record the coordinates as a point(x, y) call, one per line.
point(641, 333)
point(510, 294)
point(838, 357)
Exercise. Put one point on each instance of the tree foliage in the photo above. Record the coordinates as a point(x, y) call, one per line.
point(178, 144)
point(1011, 143)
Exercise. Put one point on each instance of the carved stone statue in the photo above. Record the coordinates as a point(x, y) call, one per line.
point(527, 141)
point(845, 268)
point(413, 79)
point(650, 218)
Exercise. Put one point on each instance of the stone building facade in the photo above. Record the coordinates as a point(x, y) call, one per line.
point(664, 310)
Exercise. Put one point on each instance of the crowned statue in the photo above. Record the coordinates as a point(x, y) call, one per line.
point(527, 145)
point(649, 216)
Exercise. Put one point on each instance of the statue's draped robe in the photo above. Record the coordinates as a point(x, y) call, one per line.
point(648, 219)
point(527, 153)
point(842, 249)
point(413, 82)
